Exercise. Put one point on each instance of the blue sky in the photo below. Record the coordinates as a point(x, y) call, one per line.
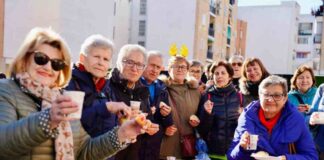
point(305, 5)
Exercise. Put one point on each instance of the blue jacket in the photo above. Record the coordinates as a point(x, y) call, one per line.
point(318, 106)
point(290, 128)
point(147, 152)
point(218, 128)
point(96, 119)
point(307, 97)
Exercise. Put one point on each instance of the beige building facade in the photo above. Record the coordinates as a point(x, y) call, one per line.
point(240, 44)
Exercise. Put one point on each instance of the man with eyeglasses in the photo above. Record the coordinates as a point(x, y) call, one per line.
point(159, 103)
point(236, 62)
point(280, 128)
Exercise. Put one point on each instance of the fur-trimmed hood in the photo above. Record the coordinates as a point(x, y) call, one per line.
point(190, 81)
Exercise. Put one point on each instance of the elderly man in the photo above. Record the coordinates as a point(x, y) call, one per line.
point(158, 102)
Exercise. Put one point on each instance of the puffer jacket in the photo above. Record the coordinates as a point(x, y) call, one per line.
point(306, 97)
point(21, 137)
point(121, 93)
point(218, 128)
point(96, 119)
point(290, 129)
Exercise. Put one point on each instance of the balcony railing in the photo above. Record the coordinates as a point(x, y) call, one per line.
point(209, 55)
point(318, 38)
point(228, 41)
point(211, 32)
point(212, 9)
point(304, 32)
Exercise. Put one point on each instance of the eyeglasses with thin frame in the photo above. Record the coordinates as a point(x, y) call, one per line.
point(180, 67)
point(131, 63)
point(41, 58)
point(276, 97)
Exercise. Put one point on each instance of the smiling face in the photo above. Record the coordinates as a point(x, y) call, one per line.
point(304, 81)
point(97, 61)
point(254, 72)
point(272, 100)
point(221, 77)
point(44, 73)
point(178, 71)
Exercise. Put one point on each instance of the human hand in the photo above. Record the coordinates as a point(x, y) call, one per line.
point(208, 105)
point(244, 141)
point(61, 107)
point(118, 108)
point(129, 130)
point(313, 118)
point(303, 108)
point(164, 109)
point(170, 130)
point(194, 121)
point(151, 128)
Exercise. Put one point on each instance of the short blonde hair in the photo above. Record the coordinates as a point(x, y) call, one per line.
point(36, 37)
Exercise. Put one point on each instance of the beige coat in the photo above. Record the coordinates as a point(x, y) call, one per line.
point(187, 97)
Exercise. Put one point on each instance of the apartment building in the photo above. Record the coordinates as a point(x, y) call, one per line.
point(240, 43)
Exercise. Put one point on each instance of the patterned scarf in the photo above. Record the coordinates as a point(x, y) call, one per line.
point(64, 141)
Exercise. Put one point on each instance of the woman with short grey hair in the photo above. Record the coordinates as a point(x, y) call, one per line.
point(96, 41)
point(128, 49)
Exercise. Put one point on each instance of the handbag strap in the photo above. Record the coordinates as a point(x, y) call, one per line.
point(292, 149)
point(300, 100)
point(176, 112)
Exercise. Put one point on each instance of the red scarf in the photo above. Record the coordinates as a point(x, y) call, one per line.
point(269, 124)
point(100, 83)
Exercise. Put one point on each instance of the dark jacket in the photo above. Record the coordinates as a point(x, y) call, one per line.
point(150, 149)
point(218, 128)
point(124, 94)
point(289, 129)
point(249, 91)
point(96, 119)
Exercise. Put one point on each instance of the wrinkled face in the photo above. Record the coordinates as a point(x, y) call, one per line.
point(304, 81)
point(178, 71)
point(133, 66)
point(221, 77)
point(237, 67)
point(254, 72)
point(272, 100)
point(153, 69)
point(195, 71)
point(44, 73)
point(97, 61)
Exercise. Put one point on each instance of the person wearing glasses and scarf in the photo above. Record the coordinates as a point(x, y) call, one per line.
point(236, 61)
point(281, 129)
point(33, 112)
point(126, 86)
point(99, 113)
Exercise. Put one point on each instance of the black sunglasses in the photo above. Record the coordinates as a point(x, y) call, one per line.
point(41, 58)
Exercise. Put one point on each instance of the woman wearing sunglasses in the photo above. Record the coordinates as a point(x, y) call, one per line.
point(236, 61)
point(281, 130)
point(33, 112)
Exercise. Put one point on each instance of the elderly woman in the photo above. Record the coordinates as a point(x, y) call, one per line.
point(33, 121)
point(126, 86)
point(184, 98)
point(219, 111)
point(303, 89)
point(253, 73)
point(280, 128)
point(196, 70)
point(236, 61)
point(88, 75)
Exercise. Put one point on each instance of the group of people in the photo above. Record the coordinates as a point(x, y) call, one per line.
point(238, 99)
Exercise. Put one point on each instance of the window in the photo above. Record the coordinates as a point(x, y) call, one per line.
point(305, 28)
point(143, 7)
point(141, 28)
point(301, 55)
point(318, 38)
point(218, 8)
point(319, 27)
point(302, 40)
point(142, 43)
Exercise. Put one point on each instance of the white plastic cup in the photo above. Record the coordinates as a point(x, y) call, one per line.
point(171, 158)
point(78, 97)
point(135, 105)
point(253, 143)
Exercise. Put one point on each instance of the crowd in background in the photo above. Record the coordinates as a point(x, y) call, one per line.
point(233, 101)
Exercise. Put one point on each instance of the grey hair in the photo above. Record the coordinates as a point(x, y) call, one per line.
point(126, 50)
point(154, 53)
point(196, 63)
point(96, 41)
point(274, 80)
point(236, 58)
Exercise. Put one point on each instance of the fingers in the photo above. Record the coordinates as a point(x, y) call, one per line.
point(152, 129)
point(244, 141)
point(165, 110)
point(208, 106)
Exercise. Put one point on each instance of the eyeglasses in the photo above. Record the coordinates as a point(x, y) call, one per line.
point(131, 63)
point(180, 67)
point(276, 97)
point(41, 58)
point(237, 64)
point(195, 71)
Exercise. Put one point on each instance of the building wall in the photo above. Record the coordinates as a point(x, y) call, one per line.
point(272, 34)
point(75, 21)
point(240, 44)
point(2, 61)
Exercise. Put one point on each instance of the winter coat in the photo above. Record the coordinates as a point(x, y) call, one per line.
point(150, 149)
point(306, 97)
point(218, 127)
point(96, 119)
point(21, 136)
point(121, 93)
point(186, 97)
point(318, 106)
point(290, 129)
point(249, 91)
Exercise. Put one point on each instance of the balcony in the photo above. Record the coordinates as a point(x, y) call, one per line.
point(209, 54)
point(211, 32)
point(318, 38)
point(304, 32)
point(228, 41)
point(232, 2)
point(212, 9)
